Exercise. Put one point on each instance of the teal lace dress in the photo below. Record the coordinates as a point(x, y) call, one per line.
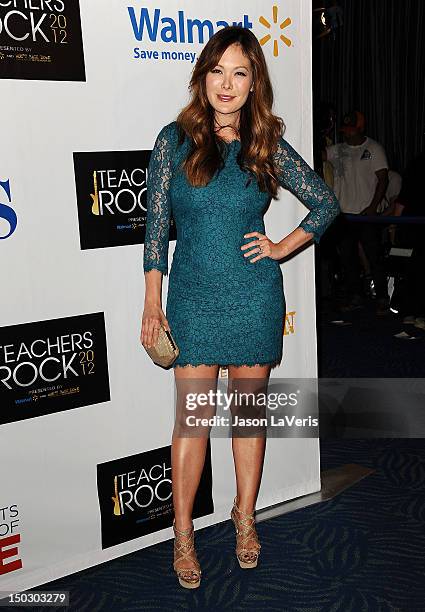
point(223, 309)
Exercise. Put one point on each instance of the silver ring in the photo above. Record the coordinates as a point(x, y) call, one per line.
point(261, 249)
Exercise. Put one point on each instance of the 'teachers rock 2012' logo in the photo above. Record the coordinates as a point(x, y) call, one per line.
point(135, 494)
point(111, 198)
point(6, 212)
point(151, 26)
point(41, 39)
point(51, 366)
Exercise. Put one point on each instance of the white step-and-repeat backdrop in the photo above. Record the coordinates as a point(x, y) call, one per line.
point(86, 418)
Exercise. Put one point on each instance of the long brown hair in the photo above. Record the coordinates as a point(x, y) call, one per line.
point(259, 128)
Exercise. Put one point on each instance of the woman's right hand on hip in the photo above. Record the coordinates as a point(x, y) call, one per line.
point(152, 318)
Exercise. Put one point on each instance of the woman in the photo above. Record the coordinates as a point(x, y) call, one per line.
point(216, 168)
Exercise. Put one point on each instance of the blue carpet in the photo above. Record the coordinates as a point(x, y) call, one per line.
point(367, 346)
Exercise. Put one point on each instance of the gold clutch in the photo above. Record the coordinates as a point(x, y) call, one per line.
point(165, 351)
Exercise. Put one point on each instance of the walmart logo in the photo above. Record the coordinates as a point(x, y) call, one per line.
point(154, 26)
point(284, 24)
point(181, 30)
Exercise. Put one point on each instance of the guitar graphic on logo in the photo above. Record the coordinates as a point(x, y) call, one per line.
point(95, 196)
point(115, 498)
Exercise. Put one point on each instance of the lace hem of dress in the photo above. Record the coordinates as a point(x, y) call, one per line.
point(226, 365)
point(308, 227)
point(148, 266)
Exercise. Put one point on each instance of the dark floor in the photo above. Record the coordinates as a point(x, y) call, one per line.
point(362, 344)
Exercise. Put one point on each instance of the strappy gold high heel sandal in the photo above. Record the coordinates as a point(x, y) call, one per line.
point(184, 548)
point(245, 531)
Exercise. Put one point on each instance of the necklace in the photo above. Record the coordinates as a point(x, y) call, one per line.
point(232, 127)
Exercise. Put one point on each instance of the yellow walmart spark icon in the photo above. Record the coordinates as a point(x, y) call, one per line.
point(285, 23)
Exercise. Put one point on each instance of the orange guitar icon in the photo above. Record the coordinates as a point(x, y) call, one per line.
point(95, 196)
point(115, 498)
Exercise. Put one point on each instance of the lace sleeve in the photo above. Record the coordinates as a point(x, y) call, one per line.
point(158, 207)
point(297, 176)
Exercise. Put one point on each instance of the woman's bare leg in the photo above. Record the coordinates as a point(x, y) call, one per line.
point(188, 453)
point(248, 452)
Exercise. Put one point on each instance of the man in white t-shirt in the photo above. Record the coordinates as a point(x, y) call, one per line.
point(388, 204)
point(360, 183)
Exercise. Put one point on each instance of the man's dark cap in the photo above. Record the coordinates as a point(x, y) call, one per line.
point(353, 121)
